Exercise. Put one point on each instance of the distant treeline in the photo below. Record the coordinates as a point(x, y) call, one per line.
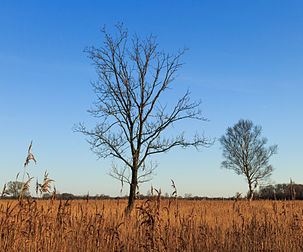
point(69, 196)
point(281, 192)
point(288, 191)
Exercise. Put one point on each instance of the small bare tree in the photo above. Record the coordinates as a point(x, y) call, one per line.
point(245, 152)
point(15, 188)
point(132, 76)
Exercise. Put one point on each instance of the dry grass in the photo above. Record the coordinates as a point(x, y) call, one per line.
point(155, 226)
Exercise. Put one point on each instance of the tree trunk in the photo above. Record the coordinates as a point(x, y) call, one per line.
point(132, 192)
point(251, 191)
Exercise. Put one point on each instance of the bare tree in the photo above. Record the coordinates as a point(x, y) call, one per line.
point(14, 189)
point(245, 152)
point(132, 77)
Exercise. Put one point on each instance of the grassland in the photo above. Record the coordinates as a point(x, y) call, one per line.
point(155, 225)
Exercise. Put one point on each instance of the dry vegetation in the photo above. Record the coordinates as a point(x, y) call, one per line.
point(155, 225)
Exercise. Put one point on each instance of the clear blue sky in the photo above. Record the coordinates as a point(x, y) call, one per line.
point(245, 61)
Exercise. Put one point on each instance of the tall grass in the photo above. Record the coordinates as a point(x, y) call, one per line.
point(155, 225)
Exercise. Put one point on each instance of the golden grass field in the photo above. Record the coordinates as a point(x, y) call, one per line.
point(155, 225)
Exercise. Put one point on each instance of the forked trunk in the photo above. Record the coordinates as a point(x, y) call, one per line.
point(132, 192)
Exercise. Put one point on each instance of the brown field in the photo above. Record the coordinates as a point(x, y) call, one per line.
point(156, 225)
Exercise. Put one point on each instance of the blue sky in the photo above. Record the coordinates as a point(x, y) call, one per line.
point(244, 61)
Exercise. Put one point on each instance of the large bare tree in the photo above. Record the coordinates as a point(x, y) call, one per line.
point(132, 124)
point(245, 152)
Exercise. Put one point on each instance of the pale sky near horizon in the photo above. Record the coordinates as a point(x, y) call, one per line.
point(244, 61)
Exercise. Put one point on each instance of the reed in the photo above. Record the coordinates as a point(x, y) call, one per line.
point(155, 225)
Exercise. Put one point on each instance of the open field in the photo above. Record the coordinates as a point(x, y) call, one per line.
point(156, 225)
